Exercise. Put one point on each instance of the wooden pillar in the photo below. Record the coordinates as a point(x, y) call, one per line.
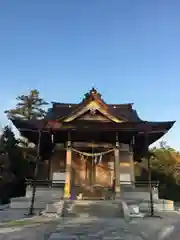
point(67, 188)
point(132, 168)
point(117, 169)
point(93, 173)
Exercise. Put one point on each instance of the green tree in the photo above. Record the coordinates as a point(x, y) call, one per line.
point(7, 178)
point(29, 106)
point(9, 144)
point(165, 168)
point(13, 167)
point(6, 175)
point(163, 160)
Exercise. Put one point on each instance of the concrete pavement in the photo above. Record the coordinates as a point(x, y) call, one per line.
point(93, 229)
point(138, 229)
point(167, 228)
point(39, 232)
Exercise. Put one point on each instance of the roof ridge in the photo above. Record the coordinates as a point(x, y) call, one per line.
point(64, 103)
point(120, 104)
point(110, 104)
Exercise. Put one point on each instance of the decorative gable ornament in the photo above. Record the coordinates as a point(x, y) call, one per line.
point(93, 106)
point(92, 111)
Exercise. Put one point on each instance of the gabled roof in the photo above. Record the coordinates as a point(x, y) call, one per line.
point(120, 111)
point(122, 119)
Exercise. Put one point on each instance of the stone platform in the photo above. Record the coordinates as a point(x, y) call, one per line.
point(48, 200)
point(43, 197)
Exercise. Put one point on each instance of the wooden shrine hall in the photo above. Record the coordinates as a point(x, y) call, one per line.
point(91, 143)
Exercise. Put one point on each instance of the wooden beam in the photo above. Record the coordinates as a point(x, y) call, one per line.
point(92, 145)
point(122, 148)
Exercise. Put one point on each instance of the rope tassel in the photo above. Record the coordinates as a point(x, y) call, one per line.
point(82, 157)
point(95, 159)
point(100, 159)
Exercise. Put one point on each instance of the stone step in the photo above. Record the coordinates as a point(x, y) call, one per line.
point(138, 195)
point(46, 193)
point(127, 192)
point(26, 205)
point(158, 205)
point(116, 208)
point(101, 209)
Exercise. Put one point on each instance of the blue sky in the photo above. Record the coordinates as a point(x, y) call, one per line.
point(129, 50)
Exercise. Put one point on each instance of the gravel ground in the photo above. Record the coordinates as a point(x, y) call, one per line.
point(9, 214)
point(40, 232)
point(165, 228)
point(137, 229)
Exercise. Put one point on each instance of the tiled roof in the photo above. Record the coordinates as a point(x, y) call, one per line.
point(124, 111)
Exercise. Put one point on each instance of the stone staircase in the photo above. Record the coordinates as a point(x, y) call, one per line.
point(111, 208)
point(95, 192)
point(99, 209)
point(92, 208)
point(94, 202)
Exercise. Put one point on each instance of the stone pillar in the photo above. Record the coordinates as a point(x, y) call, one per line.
point(117, 170)
point(67, 188)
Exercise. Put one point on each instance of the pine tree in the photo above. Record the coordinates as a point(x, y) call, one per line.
point(29, 106)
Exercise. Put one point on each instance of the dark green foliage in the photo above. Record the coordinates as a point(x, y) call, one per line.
point(10, 145)
point(29, 106)
point(19, 161)
point(165, 169)
point(13, 166)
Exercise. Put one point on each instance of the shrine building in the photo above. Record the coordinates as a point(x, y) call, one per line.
point(92, 142)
